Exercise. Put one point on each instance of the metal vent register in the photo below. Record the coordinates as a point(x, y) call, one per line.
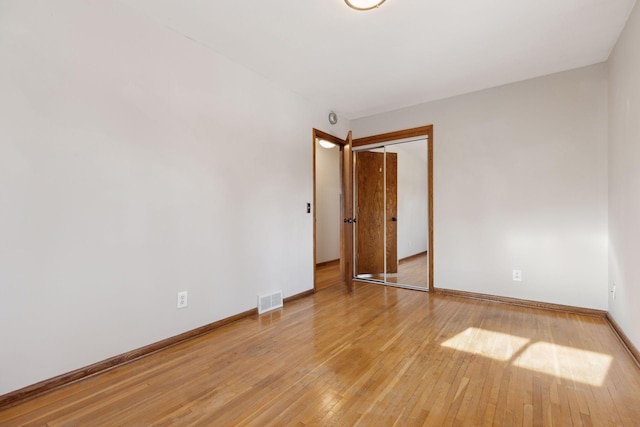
point(268, 302)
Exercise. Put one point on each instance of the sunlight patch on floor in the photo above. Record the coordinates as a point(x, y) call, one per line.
point(566, 362)
point(495, 345)
point(559, 361)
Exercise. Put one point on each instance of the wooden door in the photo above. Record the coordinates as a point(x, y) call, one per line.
point(426, 131)
point(392, 211)
point(346, 238)
point(372, 213)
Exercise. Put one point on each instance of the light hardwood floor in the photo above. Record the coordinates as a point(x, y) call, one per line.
point(328, 274)
point(379, 356)
point(412, 271)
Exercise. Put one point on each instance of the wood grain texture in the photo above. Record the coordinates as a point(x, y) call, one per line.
point(122, 359)
point(314, 147)
point(391, 188)
point(393, 136)
point(325, 263)
point(346, 210)
point(376, 356)
point(87, 371)
point(370, 212)
point(632, 349)
point(346, 231)
point(376, 206)
point(412, 271)
point(295, 297)
point(315, 135)
point(327, 275)
point(426, 131)
point(429, 134)
point(318, 134)
point(410, 257)
point(524, 303)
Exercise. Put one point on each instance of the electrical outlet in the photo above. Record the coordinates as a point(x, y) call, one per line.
point(182, 299)
point(613, 292)
point(517, 275)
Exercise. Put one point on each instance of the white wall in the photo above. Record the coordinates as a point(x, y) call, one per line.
point(624, 179)
point(328, 196)
point(413, 206)
point(520, 176)
point(134, 164)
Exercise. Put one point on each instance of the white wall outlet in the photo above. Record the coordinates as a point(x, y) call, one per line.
point(182, 299)
point(613, 292)
point(517, 275)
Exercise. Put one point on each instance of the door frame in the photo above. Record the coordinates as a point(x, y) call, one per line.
point(345, 264)
point(411, 133)
point(424, 131)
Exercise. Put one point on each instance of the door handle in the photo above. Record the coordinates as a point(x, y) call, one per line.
point(394, 219)
point(349, 220)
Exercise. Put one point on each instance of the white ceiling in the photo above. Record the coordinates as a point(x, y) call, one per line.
point(403, 53)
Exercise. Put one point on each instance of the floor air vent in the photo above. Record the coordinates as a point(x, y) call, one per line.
point(270, 301)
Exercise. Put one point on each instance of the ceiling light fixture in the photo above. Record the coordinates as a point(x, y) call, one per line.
point(363, 4)
point(326, 144)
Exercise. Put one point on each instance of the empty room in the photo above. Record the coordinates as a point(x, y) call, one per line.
point(319, 212)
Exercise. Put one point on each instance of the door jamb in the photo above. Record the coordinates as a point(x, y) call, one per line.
point(318, 134)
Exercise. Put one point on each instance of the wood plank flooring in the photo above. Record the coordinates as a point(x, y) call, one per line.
point(328, 274)
point(377, 357)
point(412, 271)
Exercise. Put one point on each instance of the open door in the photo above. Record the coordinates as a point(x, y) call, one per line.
point(345, 274)
point(346, 250)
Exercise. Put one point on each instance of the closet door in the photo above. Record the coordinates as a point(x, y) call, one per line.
point(391, 213)
point(369, 178)
point(376, 214)
point(391, 218)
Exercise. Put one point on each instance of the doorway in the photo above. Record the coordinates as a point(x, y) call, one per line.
point(327, 218)
point(407, 234)
point(332, 272)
